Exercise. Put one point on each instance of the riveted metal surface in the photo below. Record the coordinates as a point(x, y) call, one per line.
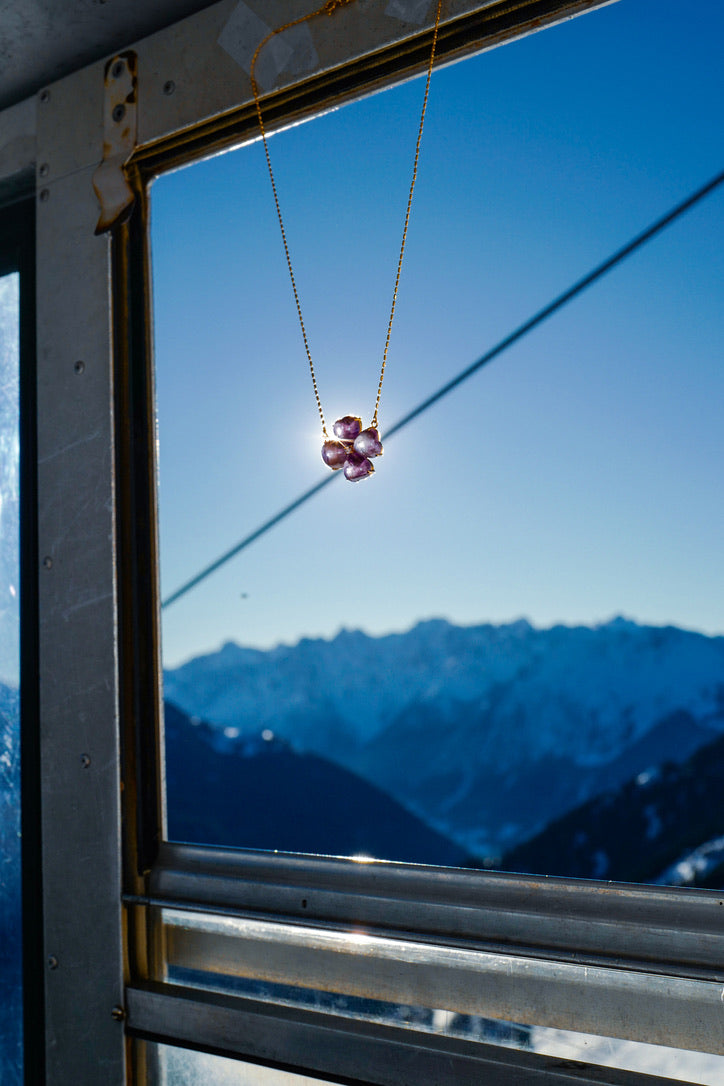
point(80, 762)
point(42, 42)
point(120, 110)
point(17, 150)
point(70, 123)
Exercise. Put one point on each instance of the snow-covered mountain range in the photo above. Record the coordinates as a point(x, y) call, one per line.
point(487, 731)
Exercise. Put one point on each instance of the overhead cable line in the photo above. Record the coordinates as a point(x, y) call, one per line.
point(247, 540)
point(522, 330)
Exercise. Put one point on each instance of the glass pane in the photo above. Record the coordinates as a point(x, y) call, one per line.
point(359, 680)
point(672, 1063)
point(182, 1067)
point(200, 959)
point(11, 1006)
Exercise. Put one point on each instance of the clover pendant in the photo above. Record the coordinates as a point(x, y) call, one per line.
point(353, 448)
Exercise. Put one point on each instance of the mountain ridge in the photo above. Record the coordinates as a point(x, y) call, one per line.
point(356, 659)
point(486, 731)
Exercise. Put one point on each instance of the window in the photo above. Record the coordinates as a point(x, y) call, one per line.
point(19, 860)
point(205, 461)
point(184, 1068)
point(10, 825)
point(636, 963)
point(354, 681)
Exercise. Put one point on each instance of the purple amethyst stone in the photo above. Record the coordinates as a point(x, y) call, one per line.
point(334, 454)
point(368, 443)
point(346, 429)
point(357, 467)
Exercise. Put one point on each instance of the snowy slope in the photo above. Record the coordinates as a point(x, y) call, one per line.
point(9, 807)
point(663, 826)
point(10, 899)
point(256, 792)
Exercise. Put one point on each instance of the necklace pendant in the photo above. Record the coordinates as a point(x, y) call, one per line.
point(353, 448)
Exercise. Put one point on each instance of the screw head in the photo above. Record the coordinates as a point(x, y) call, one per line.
point(78, 366)
point(119, 112)
point(118, 69)
point(45, 95)
point(44, 169)
point(85, 761)
point(48, 562)
point(118, 1013)
point(169, 86)
point(44, 196)
point(52, 961)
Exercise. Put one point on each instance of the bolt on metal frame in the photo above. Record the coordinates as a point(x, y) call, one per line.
point(638, 962)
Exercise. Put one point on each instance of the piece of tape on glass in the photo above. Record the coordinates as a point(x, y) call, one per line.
point(409, 11)
point(292, 51)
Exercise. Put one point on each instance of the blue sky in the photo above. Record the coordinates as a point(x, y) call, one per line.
point(576, 477)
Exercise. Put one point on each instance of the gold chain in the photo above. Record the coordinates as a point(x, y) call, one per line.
point(328, 9)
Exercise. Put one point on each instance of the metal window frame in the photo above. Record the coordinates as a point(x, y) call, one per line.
point(633, 962)
point(346, 1050)
point(107, 874)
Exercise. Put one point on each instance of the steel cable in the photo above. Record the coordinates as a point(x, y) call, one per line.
point(522, 330)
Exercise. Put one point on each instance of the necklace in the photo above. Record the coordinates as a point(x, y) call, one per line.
point(353, 446)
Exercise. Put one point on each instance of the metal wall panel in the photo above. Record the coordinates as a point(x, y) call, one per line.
point(17, 150)
point(80, 761)
point(70, 125)
point(44, 42)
